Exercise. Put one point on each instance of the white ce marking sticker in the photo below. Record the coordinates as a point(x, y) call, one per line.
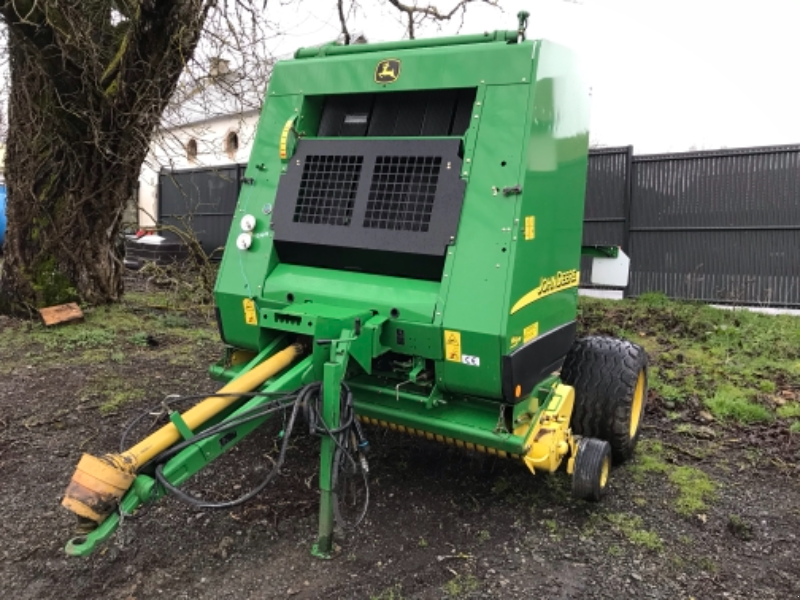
point(472, 361)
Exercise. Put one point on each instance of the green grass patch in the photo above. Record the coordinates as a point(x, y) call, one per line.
point(461, 585)
point(694, 488)
point(111, 392)
point(789, 411)
point(733, 404)
point(631, 527)
point(393, 593)
point(795, 427)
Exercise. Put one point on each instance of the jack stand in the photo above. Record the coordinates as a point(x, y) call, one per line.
point(333, 374)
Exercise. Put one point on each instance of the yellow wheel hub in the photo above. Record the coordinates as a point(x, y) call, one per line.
point(637, 405)
point(604, 471)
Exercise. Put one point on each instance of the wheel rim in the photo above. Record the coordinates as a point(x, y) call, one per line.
point(604, 469)
point(638, 403)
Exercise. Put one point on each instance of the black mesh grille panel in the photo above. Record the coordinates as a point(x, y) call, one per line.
point(402, 192)
point(395, 197)
point(328, 189)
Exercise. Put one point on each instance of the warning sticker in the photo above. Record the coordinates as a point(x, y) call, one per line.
point(452, 346)
point(530, 227)
point(250, 316)
point(530, 332)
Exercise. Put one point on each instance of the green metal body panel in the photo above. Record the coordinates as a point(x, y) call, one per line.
point(528, 128)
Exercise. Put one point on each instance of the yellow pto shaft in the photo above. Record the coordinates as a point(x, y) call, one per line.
point(99, 483)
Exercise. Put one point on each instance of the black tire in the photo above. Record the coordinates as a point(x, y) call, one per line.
point(592, 466)
point(610, 380)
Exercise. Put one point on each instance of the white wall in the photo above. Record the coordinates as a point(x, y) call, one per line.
point(168, 150)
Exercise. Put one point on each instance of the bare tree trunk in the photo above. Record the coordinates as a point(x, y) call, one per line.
point(66, 200)
point(87, 92)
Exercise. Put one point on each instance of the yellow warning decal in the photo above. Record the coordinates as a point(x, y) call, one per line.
point(250, 316)
point(452, 346)
point(530, 227)
point(562, 280)
point(515, 340)
point(530, 332)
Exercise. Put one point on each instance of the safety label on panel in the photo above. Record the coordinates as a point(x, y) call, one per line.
point(452, 345)
point(530, 332)
point(530, 227)
point(472, 361)
point(250, 316)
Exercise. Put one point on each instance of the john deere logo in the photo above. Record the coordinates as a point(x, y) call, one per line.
point(387, 71)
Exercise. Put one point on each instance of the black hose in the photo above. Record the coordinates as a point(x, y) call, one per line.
point(348, 438)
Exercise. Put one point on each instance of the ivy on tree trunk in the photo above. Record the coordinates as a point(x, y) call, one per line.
point(89, 82)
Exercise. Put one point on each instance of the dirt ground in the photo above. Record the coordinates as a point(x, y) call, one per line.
point(707, 509)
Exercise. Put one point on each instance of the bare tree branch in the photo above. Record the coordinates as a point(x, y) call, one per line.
point(343, 21)
point(416, 15)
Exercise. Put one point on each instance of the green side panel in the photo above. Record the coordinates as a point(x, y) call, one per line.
point(461, 66)
point(242, 273)
point(553, 194)
point(415, 300)
point(476, 301)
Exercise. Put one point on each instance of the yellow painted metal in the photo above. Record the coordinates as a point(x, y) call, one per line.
point(562, 280)
point(98, 483)
point(606, 467)
point(551, 438)
point(95, 488)
point(637, 405)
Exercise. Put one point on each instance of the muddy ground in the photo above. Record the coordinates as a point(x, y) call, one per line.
point(707, 510)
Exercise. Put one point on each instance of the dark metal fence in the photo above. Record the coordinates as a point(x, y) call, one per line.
point(201, 201)
point(607, 206)
point(717, 226)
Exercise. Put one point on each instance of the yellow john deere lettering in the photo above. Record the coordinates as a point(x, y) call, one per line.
point(562, 280)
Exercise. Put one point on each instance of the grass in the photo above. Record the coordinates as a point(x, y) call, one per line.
point(730, 403)
point(694, 488)
point(790, 410)
point(731, 361)
point(461, 585)
point(393, 593)
point(108, 334)
point(631, 527)
point(112, 392)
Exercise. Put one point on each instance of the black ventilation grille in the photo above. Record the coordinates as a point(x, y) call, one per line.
point(434, 113)
point(388, 196)
point(402, 192)
point(328, 189)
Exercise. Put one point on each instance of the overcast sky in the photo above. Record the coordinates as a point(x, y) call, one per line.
point(666, 76)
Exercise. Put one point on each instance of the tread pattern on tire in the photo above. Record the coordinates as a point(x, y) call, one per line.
point(604, 372)
point(588, 468)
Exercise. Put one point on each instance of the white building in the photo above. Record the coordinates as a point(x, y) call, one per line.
point(210, 123)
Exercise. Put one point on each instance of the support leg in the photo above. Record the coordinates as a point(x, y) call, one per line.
point(331, 388)
point(332, 375)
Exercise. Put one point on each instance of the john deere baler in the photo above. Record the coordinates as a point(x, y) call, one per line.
point(405, 253)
